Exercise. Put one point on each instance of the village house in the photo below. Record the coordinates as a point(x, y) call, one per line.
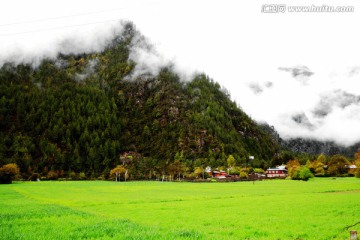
point(277, 172)
point(218, 174)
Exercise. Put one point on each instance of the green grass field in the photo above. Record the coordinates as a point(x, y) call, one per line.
point(277, 209)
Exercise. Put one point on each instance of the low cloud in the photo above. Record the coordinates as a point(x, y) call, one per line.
point(300, 73)
point(337, 98)
point(147, 58)
point(354, 71)
point(34, 51)
point(327, 108)
point(258, 88)
point(148, 61)
point(302, 121)
point(89, 70)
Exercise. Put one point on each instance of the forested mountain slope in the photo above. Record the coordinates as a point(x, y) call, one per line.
point(89, 112)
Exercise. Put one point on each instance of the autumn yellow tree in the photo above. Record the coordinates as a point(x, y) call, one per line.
point(198, 172)
point(357, 155)
point(357, 163)
point(338, 165)
point(292, 166)
point(117, 172)
point(318, 168)
point(8, 172)
point(321, 158)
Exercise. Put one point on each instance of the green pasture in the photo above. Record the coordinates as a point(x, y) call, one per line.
point(276, 209)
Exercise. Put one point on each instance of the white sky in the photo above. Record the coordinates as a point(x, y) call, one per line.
point(231, 41)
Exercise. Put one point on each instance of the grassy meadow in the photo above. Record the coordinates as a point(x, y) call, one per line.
point(276, 209)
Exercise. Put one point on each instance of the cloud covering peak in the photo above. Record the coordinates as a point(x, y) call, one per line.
point(327, 108)
point(299, 77)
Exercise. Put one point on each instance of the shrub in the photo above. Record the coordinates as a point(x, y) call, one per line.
point(34, 177)
point(72, 175)
point(302, 173)
point(259, 170)
point(101, 178)
point(235, 170)
point(296, 174)
point(243, 175)
point(8, 173)
point(82, 176)
point(52, 175)
point(305, 173)
point(357, 173)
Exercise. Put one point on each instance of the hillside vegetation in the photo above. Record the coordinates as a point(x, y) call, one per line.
point(88, 113)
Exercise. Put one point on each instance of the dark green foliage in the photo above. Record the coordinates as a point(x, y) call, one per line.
point(34, 177)
point(78, 113)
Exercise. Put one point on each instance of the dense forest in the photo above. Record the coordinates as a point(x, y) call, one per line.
point(81, 115)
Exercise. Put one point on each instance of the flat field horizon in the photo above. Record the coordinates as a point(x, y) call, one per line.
point(321, 208)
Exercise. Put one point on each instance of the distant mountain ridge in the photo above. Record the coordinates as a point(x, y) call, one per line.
point(299, 145)
point(311, 146)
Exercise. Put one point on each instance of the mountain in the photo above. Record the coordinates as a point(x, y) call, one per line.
point(315, 147)
point(88, 112)
point(310, 146)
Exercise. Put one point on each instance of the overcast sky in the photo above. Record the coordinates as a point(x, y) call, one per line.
point(298, 71)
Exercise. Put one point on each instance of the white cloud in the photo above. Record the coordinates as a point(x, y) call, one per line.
point(232, 41)
point(321, 109)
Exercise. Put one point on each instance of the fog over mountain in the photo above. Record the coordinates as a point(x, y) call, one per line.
point(303, 107)
point(301, 80)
